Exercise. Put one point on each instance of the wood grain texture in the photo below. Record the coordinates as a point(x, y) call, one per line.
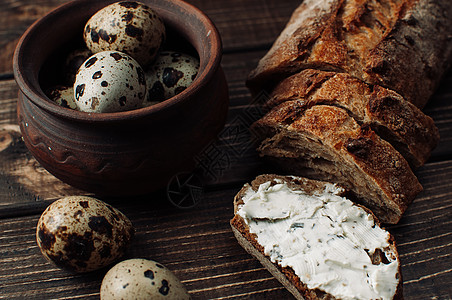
point(197, 244)
point(440, 109)
point(8, 101)
point(15, 18)
point(235, 158)
point(204, 254)
point(257, 23)
point(424, 236)
point(22, 174)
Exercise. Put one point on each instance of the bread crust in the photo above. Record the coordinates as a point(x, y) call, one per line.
point(406, 127)
point(328, 141)
point(286, 275)
point(402, 45)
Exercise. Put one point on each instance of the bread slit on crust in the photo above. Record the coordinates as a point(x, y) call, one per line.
point(403, 45)
point(399, 122)
point(317, 243)
point(325, 143)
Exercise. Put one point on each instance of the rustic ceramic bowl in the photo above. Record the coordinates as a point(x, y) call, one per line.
point(125, 153)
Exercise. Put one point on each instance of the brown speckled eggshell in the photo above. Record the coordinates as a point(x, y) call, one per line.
point(128, 26)
point(170, 74)
point(141, 279)
point(63, 95)
point(83, 234)
point(109, 81)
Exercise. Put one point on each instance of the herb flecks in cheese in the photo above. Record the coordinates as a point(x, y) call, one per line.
point(324, 238)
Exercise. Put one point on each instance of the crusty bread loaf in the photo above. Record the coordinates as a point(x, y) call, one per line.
point(324, 142)
point(287, 274)
point(347, 80)
point(375, 64)
point(399, 122)
point(403, 45)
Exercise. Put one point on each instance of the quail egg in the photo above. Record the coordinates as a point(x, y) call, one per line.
point(171, 73)
point(73, 61)
point(141, 279)
point(128, 26)
point(109, 81)
point(83, 234)
point(63, 95)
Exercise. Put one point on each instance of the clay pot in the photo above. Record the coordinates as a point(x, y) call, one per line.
point(125, 153)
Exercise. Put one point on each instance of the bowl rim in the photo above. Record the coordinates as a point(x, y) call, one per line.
point(37, 96)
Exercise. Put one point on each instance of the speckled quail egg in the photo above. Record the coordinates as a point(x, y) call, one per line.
point(141, 279)
point(109, 81)
point(171, 73)
point(73, 61)
point(128, 26)
point(83, 234)
point(63, 95)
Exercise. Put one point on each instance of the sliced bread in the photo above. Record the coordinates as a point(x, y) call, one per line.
point(399, 122)
point(325, 143)
point(317, 243)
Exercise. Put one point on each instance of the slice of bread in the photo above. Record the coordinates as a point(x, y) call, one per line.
point(325, 143)
point(317, 243)
point(399, 122)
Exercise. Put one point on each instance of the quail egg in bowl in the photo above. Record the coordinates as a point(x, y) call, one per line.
point(127, 26)
point(63, 95)
point(109, 81)
point(169, 75)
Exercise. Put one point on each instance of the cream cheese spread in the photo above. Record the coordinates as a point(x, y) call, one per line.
point(324, 238)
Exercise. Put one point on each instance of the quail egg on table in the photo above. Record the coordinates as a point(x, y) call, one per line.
point(83, 234)
point(63, 95)
point(109, 81)
point(141, 279)
point(170, 74)
point(128, 26)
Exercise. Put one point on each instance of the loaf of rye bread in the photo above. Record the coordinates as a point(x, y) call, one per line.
point(325, 143)
point(347, 80)
point(403, 45)
point(286, 274)
point(399, 122)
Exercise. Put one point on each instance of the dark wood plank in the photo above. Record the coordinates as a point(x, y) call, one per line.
point(230, 160)
point(256, 22)
point(201, 251)
point(204, 254)
point(24, 179)
point(197, 244)
point(248, 24)
point(8, 102)
point(424, 236)
point(15, 18)
point(440, 109)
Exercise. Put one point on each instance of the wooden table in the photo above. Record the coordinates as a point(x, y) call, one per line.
point(197, 244)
